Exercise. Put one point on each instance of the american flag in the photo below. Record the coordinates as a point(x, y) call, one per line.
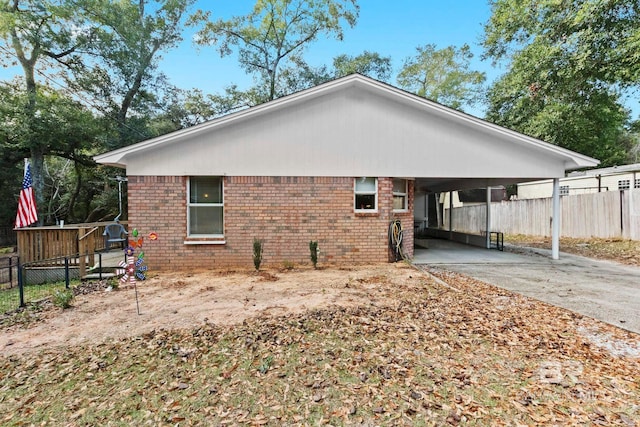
point(27, 212)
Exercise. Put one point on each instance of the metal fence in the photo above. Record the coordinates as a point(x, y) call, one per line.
point(21, 284)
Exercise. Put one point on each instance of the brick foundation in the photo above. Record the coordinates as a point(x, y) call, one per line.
point(285, 212)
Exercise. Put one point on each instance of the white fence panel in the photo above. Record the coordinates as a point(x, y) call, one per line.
point(608, 214)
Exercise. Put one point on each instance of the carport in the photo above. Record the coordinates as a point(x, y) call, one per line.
point(483, 155)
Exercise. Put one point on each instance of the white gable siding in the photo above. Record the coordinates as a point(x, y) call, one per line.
point(352, 132)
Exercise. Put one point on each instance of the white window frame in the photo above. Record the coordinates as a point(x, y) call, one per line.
point(357, 193)
point(190, 205)
point(564, 190)
point(636, 184)
point(404, 195)
point(624, 184)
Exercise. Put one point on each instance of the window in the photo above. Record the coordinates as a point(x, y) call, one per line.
point(366, 194)
point(637, 183)
point(205, 207)
point(564, 190)
point(400, 199)
point(624, 184)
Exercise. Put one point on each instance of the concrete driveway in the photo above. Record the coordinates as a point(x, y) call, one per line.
point(601, 289)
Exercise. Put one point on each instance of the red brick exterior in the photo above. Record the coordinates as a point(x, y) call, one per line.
point(285, 212)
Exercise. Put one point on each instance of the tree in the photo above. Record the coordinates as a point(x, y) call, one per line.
point(32, 32)
point(276, 33)
point(567, 63)
point(129, 38)
point(443, 75)
point(589, 121)
point(599, 40)
point(67, 135)
point(368, 63)
point(300, 75)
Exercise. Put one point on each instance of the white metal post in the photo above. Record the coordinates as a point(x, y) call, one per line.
point(555, 220)
point(488, 218)
point(450, 215)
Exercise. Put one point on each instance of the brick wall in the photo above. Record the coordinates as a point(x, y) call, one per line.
point(285, 212)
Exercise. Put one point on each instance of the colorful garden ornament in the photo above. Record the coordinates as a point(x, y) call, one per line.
point(133, 268)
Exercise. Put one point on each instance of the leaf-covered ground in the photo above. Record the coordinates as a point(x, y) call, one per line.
point(619, 250)
point(433, 349)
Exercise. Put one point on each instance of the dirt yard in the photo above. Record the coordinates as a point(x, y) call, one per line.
point(182, 301)
point(370, 345)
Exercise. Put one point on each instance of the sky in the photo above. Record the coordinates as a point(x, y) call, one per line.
point(392, 28)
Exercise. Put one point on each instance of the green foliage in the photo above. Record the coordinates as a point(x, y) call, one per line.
point(567, 62)
point(443, 75)
point(313, 249)
point(275, 33)
point(596, 40)
point(590, 120)
point(62, 298)
point(368, 63)
point(67, 133)
point(257, 253)
point(128, 38)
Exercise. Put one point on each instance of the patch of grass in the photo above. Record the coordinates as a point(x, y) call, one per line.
point(10, 298)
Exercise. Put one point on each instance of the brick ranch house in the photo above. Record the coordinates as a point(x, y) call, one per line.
point(335, 163)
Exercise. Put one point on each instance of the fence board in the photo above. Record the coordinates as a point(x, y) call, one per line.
point(610, 214)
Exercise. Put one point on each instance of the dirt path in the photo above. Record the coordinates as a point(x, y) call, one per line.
point(170, 301)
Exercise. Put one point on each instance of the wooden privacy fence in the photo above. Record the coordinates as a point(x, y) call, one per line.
point(78, 241)
point(610, 214)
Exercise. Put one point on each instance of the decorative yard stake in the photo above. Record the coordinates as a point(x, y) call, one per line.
point(133, 268)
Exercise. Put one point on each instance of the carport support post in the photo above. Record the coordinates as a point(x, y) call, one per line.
point(555, 220)
point(450, 215)
point(488, 216)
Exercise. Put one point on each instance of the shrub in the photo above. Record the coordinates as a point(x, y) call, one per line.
point(62, 298)
point(313, 248)
point(257, 253)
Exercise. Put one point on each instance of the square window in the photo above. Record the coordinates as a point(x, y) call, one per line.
point(366, 194)
point(564, 190)
point(637, 183)
point(624, 184)
point(400, 199)
point(205, 207)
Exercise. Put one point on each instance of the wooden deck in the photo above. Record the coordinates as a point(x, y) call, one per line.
point(80, 243)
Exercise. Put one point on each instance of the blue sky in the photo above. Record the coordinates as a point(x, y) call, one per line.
point(391, 28)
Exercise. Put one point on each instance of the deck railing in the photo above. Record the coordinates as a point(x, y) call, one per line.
point(79, 242)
